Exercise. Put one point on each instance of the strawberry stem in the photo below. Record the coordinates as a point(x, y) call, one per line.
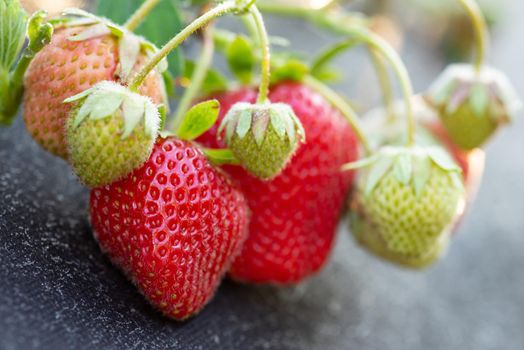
point(340, 22)
point(343, 106)
point(265, 79)
point(385, 83)
point(219, 10)
point(199, 74)
point(378, 64)
point(380, 45)
point(480, 28)
point(140, 14)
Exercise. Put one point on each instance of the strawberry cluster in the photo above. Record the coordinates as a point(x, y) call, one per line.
point(248, 182)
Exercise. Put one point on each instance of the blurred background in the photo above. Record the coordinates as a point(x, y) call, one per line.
point(59, 292)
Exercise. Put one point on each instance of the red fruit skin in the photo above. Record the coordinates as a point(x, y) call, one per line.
point(173, 226)
point(63, 69)
point(295, 215)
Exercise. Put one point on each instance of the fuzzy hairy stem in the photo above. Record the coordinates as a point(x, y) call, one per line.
point(140, 14)
point(219, 10)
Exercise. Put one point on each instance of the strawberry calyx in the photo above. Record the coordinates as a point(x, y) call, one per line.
point(486, 91)
point(105, 98)
point(473, 103)
point(130, 44)
point(263, 137)
point(411, 166)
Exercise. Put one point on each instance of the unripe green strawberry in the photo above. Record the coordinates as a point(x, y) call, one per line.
point(406, 203)
point(473, 104)
point(110, 133)
point(84, 50)
point(263, 137)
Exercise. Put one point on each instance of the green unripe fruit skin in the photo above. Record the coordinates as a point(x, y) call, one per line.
point(98, 154)
point(266, 160)
point(467, 129)
point(401, 227)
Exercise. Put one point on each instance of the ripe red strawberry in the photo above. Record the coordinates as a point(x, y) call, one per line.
point(65, 68)
point(173, 226)
point(295, 215)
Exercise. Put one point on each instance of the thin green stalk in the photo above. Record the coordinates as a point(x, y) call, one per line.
point(481, 30)
point(140, 14)
point(333, 23)
point(199, 74)
point(378, 64)
point(219, 10)
point(343, 106)
point(265, 78)
point(380, 45)
point(385, 83)
point(284, 10)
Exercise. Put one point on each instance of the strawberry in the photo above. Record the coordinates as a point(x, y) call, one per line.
point(295, 215)
point(84, 50)
point(430, 132)
point(110, 133)
point(173, 226)
point(473, 105)
point(406, 204)
point(263, 137)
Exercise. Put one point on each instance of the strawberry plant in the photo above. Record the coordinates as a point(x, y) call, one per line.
point(246, 178)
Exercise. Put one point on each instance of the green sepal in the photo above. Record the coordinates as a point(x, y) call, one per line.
point(105, 98)
point(162, 110)
point(244, 123)
point(442, 158)
point(411, 166)
point(479, 99)
point(221, 156)
point(241, 59)
point(259, 126)
point(403, 168)
point(421, 173)
point(377, 172)
point(198, 120)
point(213, 82)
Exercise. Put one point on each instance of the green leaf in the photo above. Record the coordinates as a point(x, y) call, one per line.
point(292, 69)
point(328, 75)
point(13, 21)
point(241, 59)
point(479, 99)
point(213, 82)
point(221, 156)
point(198, 120)
point(163, 23)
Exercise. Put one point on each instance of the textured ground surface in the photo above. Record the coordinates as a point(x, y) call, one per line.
point(57, 291)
